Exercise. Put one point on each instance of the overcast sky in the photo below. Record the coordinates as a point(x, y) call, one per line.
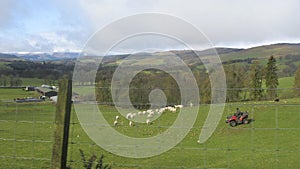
point(66, 25)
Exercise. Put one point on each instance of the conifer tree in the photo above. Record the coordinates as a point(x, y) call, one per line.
point(271, 78)
point(256, 76)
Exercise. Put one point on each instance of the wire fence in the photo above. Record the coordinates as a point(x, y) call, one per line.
point(270, 140)
point(26, 135)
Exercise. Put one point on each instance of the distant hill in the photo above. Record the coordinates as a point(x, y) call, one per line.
point(8, 57)
point(47, 56)
point(287, 55)
point(277, 50)
point(259, 52)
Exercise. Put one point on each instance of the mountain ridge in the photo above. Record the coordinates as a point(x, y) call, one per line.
point(225, 53)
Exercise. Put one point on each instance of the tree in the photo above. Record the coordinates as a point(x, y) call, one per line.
point(256, 76)
point(297, 82)
point(234, 78)
point(271, 78)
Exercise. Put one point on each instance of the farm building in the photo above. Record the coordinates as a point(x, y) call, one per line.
point(29, 88)
point(54, 99)
point(75, 98)
point(46, 91)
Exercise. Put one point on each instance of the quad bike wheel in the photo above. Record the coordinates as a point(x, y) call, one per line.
point(232, 123)
point(245, 121)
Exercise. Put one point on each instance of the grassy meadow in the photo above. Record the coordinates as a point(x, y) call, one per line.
point(272, 140)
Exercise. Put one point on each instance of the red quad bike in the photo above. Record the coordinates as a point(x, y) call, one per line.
point(238, 118)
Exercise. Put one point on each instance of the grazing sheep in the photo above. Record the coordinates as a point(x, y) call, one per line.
point(115, 123)
point(129, 116)
point(178, 106)
point(159, 112)
point(147, 121)
point(140, 113)
point(162, 109)
point(130, 123)
point(172, 109)
point(117, 117)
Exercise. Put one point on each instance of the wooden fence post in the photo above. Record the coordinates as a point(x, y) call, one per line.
point(61, 125)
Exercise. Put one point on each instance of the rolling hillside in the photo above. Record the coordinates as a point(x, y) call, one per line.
point(287, 56)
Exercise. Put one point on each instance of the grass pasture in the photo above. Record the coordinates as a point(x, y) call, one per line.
point(26, 134)
point(11, 94)
point(32, 81)
point(271, 141)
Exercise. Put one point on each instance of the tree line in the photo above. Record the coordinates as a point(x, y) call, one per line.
point(9, 81)
point(12, 74)
point(244, 83)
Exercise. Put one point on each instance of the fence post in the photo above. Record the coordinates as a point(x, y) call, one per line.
point(61, 125)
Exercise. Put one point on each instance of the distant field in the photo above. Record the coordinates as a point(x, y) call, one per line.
point(285, 85)
point(10, 94)
point(32, 81)
point(3, 64)
point(271, 141)
point(286, 82)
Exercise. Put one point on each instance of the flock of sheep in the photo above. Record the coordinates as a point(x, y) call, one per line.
point(148, 113)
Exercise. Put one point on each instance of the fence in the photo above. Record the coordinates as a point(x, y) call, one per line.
point(271, 140)
point(26, 135)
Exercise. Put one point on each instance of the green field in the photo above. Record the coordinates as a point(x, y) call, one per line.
point(11, 94)
point(286, 82)
point(271, 141)
point(4, 64)
point(32, 81)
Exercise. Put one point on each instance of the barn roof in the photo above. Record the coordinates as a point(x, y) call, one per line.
point(45, 90)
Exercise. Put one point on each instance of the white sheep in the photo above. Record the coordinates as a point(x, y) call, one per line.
point(140, 113)
point(129, 116)
point(150, 115)
point(149, 111)
point(179, 106)
point(115, 123)
point(172, 109)
point(162, 109)
point(159, 112)
point(147, 121)
point(117, 117)
point(130, 123)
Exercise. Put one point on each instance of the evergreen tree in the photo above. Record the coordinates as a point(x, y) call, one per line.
point(234, 78)
point(271, 78)
point(256, 76)
point(297, 82)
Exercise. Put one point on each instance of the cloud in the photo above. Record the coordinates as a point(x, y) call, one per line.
point(44, 42)
point(42, 26)
point(59, 42)
point(6, 9)
point(225, 23)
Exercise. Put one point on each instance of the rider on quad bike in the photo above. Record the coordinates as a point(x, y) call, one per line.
point(237, 118)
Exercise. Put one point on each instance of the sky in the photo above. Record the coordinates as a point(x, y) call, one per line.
point(67, 25)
